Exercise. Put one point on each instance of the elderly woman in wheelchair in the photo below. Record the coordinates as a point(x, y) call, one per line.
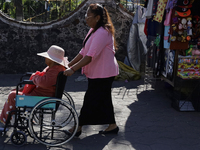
point(42, 108)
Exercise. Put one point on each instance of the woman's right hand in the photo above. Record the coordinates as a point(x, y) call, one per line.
point(68, 72)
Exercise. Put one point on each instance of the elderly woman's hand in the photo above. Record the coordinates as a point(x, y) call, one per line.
point(68, 72)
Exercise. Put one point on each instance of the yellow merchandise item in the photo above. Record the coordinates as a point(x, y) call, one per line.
point(127, 73)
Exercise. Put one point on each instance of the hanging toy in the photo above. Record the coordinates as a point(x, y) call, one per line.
point(189, 19)
point(196, 52)
point(189, 26)
point(188, 38)
point(189, 51)
point(174, 27)
point(183, 38)
point(180, 26)
point(186, 2)
point(157, 40)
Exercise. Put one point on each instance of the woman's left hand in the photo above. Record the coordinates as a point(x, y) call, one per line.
point(68, 72)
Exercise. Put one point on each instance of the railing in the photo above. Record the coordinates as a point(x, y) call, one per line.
point(130, 4)
point(48, 10)
point(38, 10)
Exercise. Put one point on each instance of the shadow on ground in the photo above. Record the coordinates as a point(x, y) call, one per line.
point(154, 125)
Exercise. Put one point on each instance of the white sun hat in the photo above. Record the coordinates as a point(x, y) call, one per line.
point(56, 54)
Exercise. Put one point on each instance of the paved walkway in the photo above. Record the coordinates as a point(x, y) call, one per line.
point(144, 115)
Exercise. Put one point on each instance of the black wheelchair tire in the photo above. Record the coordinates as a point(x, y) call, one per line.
point(18, 138)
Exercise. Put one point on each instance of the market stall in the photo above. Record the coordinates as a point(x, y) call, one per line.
point(172, 28)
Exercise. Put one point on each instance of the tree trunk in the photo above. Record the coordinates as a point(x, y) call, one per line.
point(19, 10)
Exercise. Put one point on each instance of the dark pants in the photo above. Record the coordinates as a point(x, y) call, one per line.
point(97, 106)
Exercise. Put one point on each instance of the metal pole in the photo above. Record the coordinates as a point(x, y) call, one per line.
point(56, 10)
point(29, 11)
point(45, 18)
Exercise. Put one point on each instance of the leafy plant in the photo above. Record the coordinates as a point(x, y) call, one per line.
point(36, 11)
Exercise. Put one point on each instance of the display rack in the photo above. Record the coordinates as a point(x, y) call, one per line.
point(149, 79)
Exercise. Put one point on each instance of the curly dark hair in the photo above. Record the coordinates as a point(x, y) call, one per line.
point(104, 21)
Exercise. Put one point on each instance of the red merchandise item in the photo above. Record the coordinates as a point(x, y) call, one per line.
point(145, 28)
point(28, 88)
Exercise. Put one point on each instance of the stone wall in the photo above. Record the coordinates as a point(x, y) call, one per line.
point(21, 41)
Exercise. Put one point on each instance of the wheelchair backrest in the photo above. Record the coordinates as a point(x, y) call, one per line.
point(60, 85)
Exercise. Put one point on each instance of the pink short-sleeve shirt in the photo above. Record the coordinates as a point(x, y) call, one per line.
point(100, 46)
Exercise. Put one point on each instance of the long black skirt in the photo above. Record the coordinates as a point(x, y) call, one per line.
point(97, 106)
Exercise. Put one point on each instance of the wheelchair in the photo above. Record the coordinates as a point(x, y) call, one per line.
point(45, 119)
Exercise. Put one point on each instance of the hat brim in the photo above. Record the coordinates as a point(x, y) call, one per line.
point(184, 14)
point(63, 62)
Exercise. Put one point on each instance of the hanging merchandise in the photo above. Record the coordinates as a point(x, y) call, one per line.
point(173, 33)
point(170, 67)
point(157, 54)
point(150, 54)
point(154, 31)
point(149, 11)
point(166, 37)
point(184, 3)
point(170, 4)
point(168, 17)
point(145, 3)
point(196, 52)
point(160, 10)
point(165, 62)
point(189, 51)
point(155, 6)
point(169, 7)
point(168, 64)
point(171, 29)
point(181, 26)
point(136, 45)
point(196, 23)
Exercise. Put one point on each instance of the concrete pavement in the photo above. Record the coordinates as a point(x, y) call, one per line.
point(144, 115)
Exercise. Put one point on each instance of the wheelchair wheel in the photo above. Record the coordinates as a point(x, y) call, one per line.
point(18, 138)
point(66, 97)
point(54, 119)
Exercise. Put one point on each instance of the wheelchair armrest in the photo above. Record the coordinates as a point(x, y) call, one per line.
point(21, 83)
point(26, 82)
point(27, 74)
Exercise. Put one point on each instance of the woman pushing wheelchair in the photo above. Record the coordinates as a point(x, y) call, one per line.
point(44, 81)
point(98, 63)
